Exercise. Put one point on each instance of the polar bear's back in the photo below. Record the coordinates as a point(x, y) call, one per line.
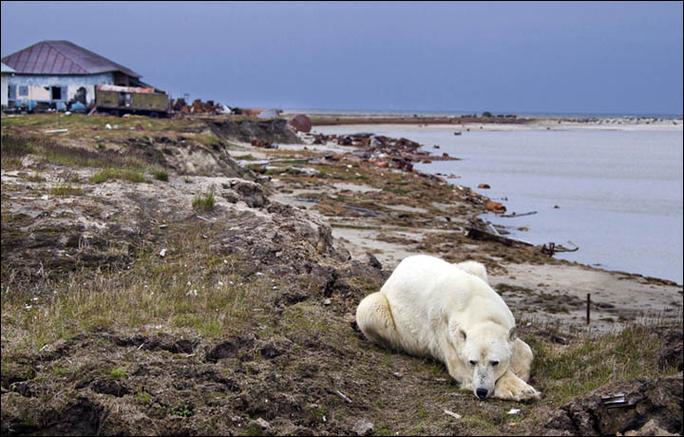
point(413, 271)
point(421, 284)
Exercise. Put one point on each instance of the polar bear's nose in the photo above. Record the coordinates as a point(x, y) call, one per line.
point(481, 393)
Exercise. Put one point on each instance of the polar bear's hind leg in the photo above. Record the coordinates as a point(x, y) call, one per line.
point(374, 318)
point(521, 361)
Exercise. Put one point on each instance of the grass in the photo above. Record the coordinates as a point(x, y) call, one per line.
point(143, 398)
point(160, 175)
point(566, 372)
point(118, 373)
point(66, 191)
point(123, 174)
point(204, 202)
point(189, 289)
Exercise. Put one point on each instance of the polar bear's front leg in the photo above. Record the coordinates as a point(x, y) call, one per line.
point(511, 387)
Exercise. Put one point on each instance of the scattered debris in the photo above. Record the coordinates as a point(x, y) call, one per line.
point(485, 231)
point(553, 248)
point(515, 214)
point(615, 401)
point(301, 123)
point(256, 142)
point(342, 396)
point(56, 131)
point(452, 414)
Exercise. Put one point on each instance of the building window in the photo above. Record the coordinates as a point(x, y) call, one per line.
point(23, 91)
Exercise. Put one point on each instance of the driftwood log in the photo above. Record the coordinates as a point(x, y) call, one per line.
point(486, 231)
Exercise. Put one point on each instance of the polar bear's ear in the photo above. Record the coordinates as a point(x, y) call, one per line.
point(456, 332)
point(512, 334)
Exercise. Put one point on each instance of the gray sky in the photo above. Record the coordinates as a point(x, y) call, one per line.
point(503, 57)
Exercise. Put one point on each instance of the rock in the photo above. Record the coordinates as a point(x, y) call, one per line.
point(495, 207)
point(270, 351)
point(671, 353)
point(484, 186)
point(363, 427)
point(327, 301)
point(230, 195)
point(263, 424)
point(650, 428)
point(250, 192)
point(648, 400)
point(373, 261)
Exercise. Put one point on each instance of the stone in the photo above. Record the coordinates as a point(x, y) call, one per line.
point(363, 427)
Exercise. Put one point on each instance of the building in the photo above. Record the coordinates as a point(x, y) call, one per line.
point(57, 73)
point(4, 90)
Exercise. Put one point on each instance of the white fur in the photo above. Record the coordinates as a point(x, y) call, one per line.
point(429, 307)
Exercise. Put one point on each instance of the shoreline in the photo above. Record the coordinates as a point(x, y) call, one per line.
point(171, 278)
point(430, 226)
point(446, 176)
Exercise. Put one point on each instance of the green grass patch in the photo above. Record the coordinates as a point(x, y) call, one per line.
point(66, 190)
point(160, 175)
point(122, 174)
point(118, 373)
point(204, 202)
point(143, 398)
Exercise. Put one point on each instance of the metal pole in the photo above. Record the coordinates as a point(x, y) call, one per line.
point(588, 308)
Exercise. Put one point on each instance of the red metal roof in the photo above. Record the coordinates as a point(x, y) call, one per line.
point(61, 57)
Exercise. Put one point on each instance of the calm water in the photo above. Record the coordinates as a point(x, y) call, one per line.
point(619, 192)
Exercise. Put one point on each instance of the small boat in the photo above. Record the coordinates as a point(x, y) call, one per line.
point(458, 133)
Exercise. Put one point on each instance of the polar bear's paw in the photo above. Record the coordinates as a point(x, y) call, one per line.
point(510, 387)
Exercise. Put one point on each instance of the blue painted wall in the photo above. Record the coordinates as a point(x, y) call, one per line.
point(68, 83)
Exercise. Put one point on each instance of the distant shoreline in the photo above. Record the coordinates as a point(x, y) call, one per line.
point(508, 119)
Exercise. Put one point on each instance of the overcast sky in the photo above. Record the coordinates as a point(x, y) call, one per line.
point(503, 57)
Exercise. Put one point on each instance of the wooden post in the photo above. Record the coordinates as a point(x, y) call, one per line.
point(588, 308)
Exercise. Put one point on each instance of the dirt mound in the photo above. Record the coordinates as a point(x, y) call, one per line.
point(272, 131)
point(658, 400)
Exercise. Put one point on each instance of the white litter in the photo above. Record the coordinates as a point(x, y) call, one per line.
point(513, 411)
point(452, 414)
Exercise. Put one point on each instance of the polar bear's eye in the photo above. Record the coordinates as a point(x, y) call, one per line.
point(473, 362)
point(494, 363)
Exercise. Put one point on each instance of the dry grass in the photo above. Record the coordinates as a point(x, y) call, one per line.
point(64, 190)
point(189, 288)
point(109, 174)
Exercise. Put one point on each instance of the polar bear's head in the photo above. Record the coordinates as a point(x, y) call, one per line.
point(486, 351)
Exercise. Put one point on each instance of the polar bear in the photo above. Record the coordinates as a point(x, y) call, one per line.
point(429, 307)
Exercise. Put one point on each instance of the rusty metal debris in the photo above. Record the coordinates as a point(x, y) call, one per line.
point(617, 400)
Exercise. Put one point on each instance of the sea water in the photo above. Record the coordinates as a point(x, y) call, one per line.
point(614, 192)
